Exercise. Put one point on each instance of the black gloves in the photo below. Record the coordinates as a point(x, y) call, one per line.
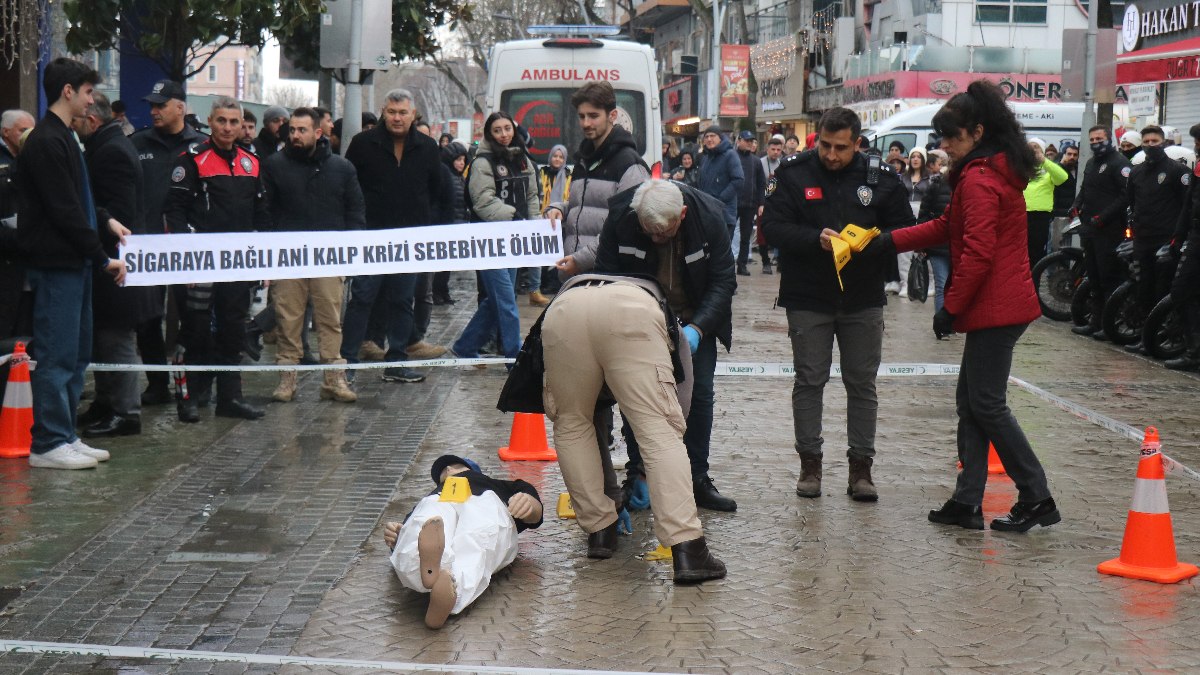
point(943, 324)
point(879, 247)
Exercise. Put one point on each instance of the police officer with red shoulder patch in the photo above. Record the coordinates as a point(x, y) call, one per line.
point(829, 188)
point(215, 187)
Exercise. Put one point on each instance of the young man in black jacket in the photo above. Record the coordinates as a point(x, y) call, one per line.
point(400, 173)
point(60, 232)
point(750, 198)
point(310, 188)
point(694, 265)
point(1101, 205)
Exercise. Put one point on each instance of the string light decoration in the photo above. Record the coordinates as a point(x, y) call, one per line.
point(20, 34)
point(774, 59)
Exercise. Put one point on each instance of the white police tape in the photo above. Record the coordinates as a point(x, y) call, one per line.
point(158, 654)
point(253, 368)
point(788, 370)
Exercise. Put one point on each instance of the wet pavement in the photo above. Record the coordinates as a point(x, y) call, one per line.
point(264, 537)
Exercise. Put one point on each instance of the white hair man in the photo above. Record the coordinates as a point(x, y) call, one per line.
point(677, 234)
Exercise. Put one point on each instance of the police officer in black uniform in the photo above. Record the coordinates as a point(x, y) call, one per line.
point(1101, 205)
point(813, 194)
point(158, 147)
point(1185, 289)
point(1158, 191)
point(215, 187)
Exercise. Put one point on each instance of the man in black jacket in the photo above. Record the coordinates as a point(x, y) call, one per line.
point(116, 177)
point(693, 263)
point(215, 187)
point(273, 136)
point(1064, 195)
point(14, 301)
point(829, 188)
point(158, 147)
point(1185, 288)
point(310, 188)
point(401, 178)
point(750, 199)
point(1101, 205)
point(60, 233)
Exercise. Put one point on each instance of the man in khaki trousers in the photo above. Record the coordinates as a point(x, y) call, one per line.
point(612, 332)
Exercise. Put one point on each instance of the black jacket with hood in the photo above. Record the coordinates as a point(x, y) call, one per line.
point(317, 191)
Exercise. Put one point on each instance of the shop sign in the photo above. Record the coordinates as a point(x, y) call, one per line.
point(1140, 23)
point(679, 99)
point(735, 80)
point(1141, 98)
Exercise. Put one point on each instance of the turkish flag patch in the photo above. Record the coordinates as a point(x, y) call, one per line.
point(812, 193)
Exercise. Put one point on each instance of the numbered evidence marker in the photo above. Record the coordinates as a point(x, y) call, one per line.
point(457, 489)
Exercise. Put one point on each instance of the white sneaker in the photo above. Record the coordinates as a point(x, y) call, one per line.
point(62, 457)
point(88, 451)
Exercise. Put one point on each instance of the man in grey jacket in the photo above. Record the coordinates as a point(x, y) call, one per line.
point(608, 163)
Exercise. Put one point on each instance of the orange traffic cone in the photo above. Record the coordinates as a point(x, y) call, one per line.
point(1148, 550)
point(528, 440)
point(995, 466)
point(16, 418)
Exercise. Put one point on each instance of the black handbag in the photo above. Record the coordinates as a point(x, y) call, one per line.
point(918, 278)
point(522, 391)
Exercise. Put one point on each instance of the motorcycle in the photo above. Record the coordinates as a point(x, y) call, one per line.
point(1058, 276)
point(1123, 317)
point(1163, 333)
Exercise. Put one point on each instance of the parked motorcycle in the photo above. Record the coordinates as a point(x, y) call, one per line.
point(1058, 276)
point(1123, 317)
point(1163, 333)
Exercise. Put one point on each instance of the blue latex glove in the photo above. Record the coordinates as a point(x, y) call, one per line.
point(693, 337)
point(624, 522)
point(639, 499)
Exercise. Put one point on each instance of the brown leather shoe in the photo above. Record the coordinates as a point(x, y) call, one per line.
point(861, 487)
point(694, 563)
point(603, 544)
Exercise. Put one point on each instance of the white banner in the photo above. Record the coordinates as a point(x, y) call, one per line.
point(162, 259)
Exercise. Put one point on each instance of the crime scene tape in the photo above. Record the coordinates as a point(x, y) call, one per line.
point(788, 370)
point(157, 654)
point(252, 368)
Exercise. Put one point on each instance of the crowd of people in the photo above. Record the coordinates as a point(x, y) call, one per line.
point(647, 279)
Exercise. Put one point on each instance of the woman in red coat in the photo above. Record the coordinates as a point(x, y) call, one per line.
point(991, 298)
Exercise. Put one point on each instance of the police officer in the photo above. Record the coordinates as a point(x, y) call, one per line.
point(14, 302)
point(1100, 206)
point(814, 193)
point(1185, 289)
point(1158, 191)
point(158, 147)
point(215, 187)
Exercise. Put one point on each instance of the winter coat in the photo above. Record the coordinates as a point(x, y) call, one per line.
point(316, 192)
point(54, 228)
point(721, 177)
point(989, 251)
point(214, 190)
point(598, 174)
point(916, 191)
point(1039, 194)
point(157, 153)
point(397, 194)
point(754, 186)
point(8, 174)
point(1158, 191)
point(117, 187)
point(546, 175)
point(934, 204)
point(1104, 195)
point(503, 184)
point(709, 280)
point(1064, 193)
point(807, 198)
point(266, 144)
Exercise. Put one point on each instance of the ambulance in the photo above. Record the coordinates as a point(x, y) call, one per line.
point(533, 81)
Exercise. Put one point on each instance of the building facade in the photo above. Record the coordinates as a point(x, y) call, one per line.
point(234, 71)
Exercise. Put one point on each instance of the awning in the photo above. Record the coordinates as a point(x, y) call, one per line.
point(1164, 63)
point(657, 12)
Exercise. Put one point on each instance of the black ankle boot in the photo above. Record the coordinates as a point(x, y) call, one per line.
point(957, 513)
point(694, 563)
point(707, 496)
point(1025, 515)
point(603, 544)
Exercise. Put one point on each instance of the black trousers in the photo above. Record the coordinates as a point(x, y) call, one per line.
point(1103, 268)
point(1039, 234)
point(746, 219)
point(1149, 286)
point(214, 332)
point(984, 415)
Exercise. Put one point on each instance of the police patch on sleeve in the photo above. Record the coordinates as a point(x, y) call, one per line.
point(247, 165)
point(1124, 171)
point(865, 195)
point(177, 174)
point(1186, 179)
point(771, 185)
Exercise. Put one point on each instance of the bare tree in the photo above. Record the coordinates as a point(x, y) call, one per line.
point(289, 96)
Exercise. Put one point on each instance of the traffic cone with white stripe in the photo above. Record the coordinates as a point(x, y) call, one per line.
point(16, 418)
point(1148, 550)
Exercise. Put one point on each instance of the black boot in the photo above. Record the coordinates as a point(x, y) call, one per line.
point(861, 488)
point(157, 392)
point(742, 270)
point(187, 411)
point(115, 425)
point(1025, 515)
point(1190, 359)
point(254, 345)
point(957, 513)
point(767, 268)
point(239, 409)
point(707, 496)
point(1136, 348)
point(96, 412)
point(694, 563)
point(603, 544)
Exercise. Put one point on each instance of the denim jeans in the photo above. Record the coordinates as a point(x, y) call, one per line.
point(941, 274)
point(497, 312)
point(983, 415)
point(698, 435)
point(62, 347)
point(397, 291)
point(860, 341)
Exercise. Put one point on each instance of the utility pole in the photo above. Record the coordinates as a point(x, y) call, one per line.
point(352, 120)
point(1089, 89)
point(714, 76)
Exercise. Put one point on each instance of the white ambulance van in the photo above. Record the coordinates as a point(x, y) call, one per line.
point(533, 81)
point(1052, 122)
